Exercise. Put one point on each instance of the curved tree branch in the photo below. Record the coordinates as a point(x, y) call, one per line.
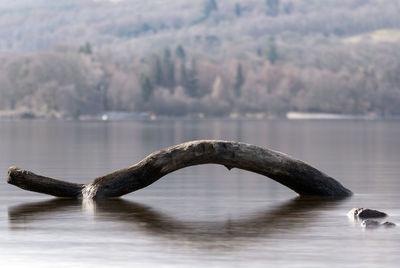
point(295, 174)
point(28, 180)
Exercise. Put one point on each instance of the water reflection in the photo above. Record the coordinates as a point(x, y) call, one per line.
point(135, 217)
point(20, 216)
point(295, 213)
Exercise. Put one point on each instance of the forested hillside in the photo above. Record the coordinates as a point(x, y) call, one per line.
point(68, 58)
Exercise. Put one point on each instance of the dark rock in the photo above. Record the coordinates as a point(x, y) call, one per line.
point(389, 224)
point(370, 224)
point(366, 213)
point(371, 213)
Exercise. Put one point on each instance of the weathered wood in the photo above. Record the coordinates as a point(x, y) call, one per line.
point(293, 173)
point(30, 181)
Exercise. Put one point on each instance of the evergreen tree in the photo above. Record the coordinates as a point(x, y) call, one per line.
point(210, 6)
point(183, 75)
point(168, 69)
point(239, 80)
point(271, 51)
point(238, 10)
point(288, 8)
point(213, 4)
point(180, 52)
point(272, 7)
point(167, 54)
point(158, 73)
point(147, 87)
point(191, 83)
point(86, 49)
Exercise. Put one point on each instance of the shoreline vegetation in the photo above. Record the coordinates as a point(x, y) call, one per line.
point(206, 58)
point(127, 116)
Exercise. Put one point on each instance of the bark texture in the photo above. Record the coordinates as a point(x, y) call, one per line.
point(293, 173)
point(30, 181)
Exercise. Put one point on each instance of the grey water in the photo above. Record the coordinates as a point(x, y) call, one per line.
point(204, 215)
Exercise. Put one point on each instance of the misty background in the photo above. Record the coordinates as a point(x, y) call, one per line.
point(263, 58)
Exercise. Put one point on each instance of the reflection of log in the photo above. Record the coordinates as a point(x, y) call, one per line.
point(295, 174)
point(296, 213)
point(19, 216)
point(291, 215)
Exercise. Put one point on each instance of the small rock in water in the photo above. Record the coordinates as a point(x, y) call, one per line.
point(366, 213)
point(389, 224)
point(371, 213)
point(370, 224)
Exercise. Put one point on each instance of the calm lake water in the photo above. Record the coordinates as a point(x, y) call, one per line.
point(203, 216)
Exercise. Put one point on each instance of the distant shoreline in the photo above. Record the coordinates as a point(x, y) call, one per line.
point(146, 116)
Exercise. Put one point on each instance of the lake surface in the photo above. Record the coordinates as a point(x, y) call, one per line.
point(203, 216)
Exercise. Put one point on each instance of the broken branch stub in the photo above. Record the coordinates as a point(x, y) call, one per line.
point(293, 173)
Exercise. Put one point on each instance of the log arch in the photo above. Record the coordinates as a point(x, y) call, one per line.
point(293, 173)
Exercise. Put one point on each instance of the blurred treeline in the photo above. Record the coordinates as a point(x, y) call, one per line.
point(212, 57)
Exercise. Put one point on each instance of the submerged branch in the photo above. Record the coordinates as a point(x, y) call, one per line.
point(293, 173)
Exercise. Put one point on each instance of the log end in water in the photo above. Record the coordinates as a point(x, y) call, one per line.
point(30, 181)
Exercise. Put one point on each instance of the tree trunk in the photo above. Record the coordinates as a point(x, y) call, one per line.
point(295, 174)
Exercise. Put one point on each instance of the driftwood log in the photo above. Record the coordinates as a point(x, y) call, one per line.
point(295, 174)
